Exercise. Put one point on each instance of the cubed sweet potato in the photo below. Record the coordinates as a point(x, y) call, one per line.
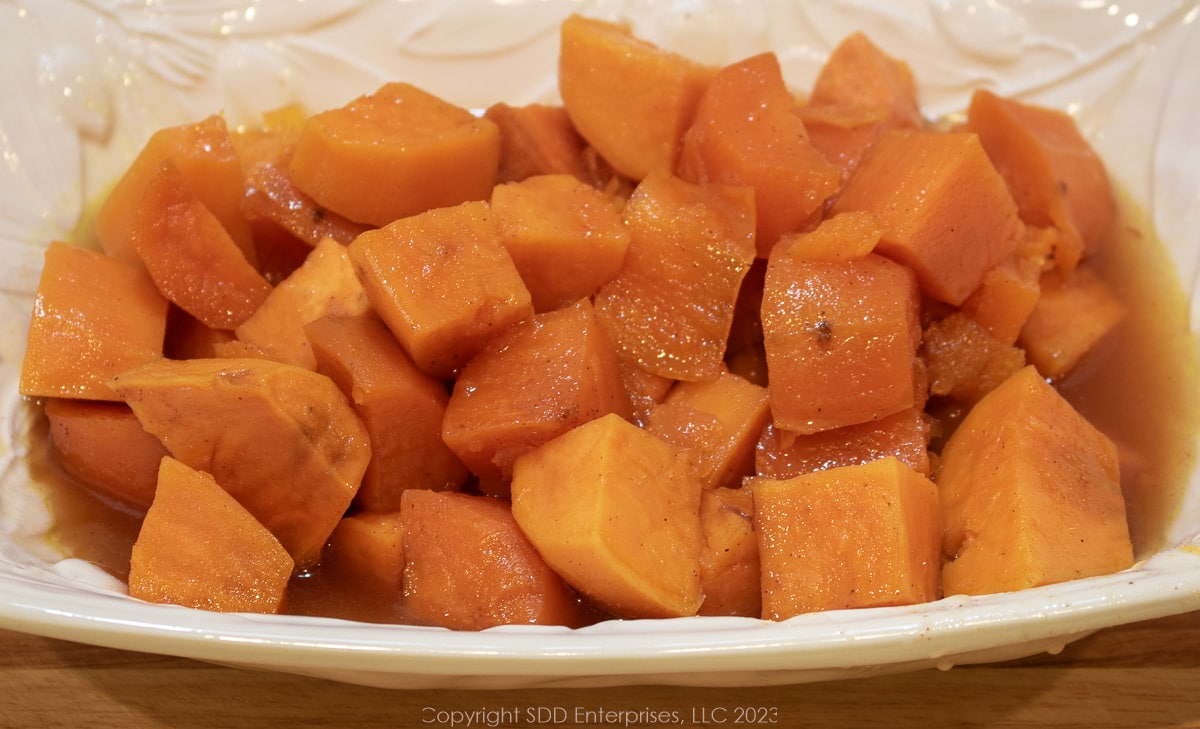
point(781, 454)
point(1075, 314)
point(729, 567)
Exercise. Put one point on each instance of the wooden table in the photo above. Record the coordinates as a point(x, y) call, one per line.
point(1145, 675)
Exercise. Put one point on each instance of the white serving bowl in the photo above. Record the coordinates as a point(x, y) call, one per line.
point(87, 83)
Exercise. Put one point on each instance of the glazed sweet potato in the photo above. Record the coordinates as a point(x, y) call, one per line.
point(631, 100)
point(442, 282)
point(401, 407)
point(671, 306)
point(854, 536)
point(395, 153)
point(103, 445)
point(1074, 315)
point(746, 133)
point(616, 512)
point(537, 139)
point(781, 454)
point(1030, 494)
point(468, 566)
point(946, 212)
point(93, 317)
point(360, 576)
point(217, 415)
point(199, 548)
point(729, 565)
point(529, 385)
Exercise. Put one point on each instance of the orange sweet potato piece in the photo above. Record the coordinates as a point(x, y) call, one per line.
point(531, 384)
point(199, 548)
point(729, 567)
point(781, 454)
point(281, 439)
point(945, 211)
point(717, 422)
point(188, 338)
point(841, 237)
point(859, 93)
point(401, 407)
point(670, 308)
point(963, 361)
point(206, 158)
point(631, 100)
point(93, 317)
point(841, 340)
point(856, 536)
point(1073, 316)
point(746, 133)
point(1005, 298)
point(394, 153)
point(1030, 493)
point(193, 261)
point(103, 445)
point(468, 566)
point(360, 576)
point(326, 284)
point(442, 282)
point(272, 197)
point(565, 237)
point(1054, 175)
point(616, 512)
point(537, 139)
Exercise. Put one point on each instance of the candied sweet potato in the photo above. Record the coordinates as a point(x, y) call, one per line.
point(1074, 315)
point(199, 548)
point(746, 133)
point(729, 566)
point(565, 237)
point(281, 439)
point(394, 153)
point(781, 454)
point(866, 535)
point(401, 407)
point(670, 308)
point(945, 210)
point(616, 512)
point(531, 384)
point(841, 339)
point(105, 447)
point(193, 261)
point(272, 197)
point(442, 282)
point(1030, 493)
point(360, 576)
point(964, 361)
point(1054, 175)
point(468, 566)
point(93, 317)
point(630, 99)
point(537, 139)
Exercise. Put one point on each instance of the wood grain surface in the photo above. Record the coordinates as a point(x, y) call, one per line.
point(1145, 675)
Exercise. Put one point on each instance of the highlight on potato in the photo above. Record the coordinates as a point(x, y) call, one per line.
point(690, 342)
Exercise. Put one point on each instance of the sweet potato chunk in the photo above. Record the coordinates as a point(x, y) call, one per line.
point(859, 94)
point(193, 261)
point(565, 237)
point(360, 576)
point(533, 383)
point(1054, 175)
point(281, 439)
point(273, 198)
point(537, 139)
point(729, 566)
point(1073, 316)
point(326, 284)
point(841, 339)
point(443, 283)
point(781, 454)
point(395, 153)
point(1005, 299)
point(746, 133)
point(963, 361)
point(468, 566)
point(1030, 494)
point(945, 211)
point(93, 317)
point(671, 306)
point(401, 407)
point(848, 537)
point(716, 422)
point(629, 99)
point(199, 548)
point(616, 512)
point(103, 445)
point(207, 160)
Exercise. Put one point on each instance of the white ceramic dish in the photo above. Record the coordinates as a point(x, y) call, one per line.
point(88, 81)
